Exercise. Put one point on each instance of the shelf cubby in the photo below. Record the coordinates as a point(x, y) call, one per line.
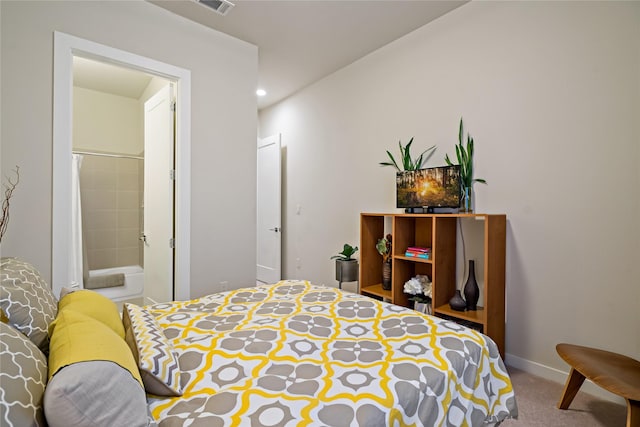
point(438, 232)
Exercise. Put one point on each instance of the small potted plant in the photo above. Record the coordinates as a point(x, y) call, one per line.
point(346, 265)
point(384, 248)
point(465, 160)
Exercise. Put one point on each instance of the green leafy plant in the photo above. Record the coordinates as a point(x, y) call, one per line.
point(383, 247)
point(408, 164)
point(347, 253)
point(465, 160)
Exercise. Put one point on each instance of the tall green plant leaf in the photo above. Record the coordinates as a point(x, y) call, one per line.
point(406, 160)
point(406, 155)
point(465, 159)
point(393, 161)
point(446, 159)
point(422, 159)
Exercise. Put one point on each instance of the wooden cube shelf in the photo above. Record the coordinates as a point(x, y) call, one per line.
point(438, 232)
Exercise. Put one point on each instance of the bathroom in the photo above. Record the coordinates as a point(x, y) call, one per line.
point(109, 163)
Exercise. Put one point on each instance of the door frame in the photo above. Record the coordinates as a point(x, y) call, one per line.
point(65, 48)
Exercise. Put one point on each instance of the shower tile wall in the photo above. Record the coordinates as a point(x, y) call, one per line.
point(111, 191)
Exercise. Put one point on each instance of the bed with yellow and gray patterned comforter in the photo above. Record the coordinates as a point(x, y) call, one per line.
point(296, 354)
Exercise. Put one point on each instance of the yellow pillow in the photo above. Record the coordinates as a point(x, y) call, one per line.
point(94, 305)
point(79, 338)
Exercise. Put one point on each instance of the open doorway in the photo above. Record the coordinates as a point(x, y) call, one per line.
point(123, 144)
point(65, 273)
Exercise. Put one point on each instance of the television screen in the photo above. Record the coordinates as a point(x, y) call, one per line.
point(428, 188)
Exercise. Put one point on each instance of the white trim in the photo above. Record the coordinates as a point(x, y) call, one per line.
point(558, 376)
point(65, 47)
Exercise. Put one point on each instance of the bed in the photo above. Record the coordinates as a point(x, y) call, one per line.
point(291, 354)
point(299, 354)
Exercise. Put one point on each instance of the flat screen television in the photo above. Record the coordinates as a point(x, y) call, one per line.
point(437, 187)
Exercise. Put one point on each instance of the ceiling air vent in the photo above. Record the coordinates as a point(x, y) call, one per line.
point(220, 6)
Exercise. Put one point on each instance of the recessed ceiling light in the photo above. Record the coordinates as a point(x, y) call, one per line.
point(261, 92)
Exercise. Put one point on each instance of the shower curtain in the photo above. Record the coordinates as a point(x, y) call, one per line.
point(76, 259)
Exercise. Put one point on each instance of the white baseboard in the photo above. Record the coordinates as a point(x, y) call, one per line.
point(560, 377)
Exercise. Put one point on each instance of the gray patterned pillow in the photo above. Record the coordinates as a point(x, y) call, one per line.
point(27, 300)
point(156, 357)
point(22, 380)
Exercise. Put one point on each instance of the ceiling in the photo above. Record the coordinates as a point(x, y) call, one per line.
point(109, 78)
point(301, 41)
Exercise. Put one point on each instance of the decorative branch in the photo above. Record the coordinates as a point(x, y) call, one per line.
point(8, 192)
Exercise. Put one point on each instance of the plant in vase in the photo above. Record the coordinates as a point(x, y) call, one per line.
point(409, 164)
point(384, 248)
point(419, 288)
point(346, 265)
point(465, 160)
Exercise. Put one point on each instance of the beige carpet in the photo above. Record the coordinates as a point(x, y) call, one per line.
point(537, 399)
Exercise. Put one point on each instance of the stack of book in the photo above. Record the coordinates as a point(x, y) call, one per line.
point(418, 252)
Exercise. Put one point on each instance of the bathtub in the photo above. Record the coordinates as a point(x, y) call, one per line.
point(133, 283)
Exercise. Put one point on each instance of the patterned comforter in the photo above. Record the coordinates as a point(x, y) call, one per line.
point(296, 354)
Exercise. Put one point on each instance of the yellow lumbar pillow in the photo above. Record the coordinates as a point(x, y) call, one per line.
point(76, 337)
point(94, 305)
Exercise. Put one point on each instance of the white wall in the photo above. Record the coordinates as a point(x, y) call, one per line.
point(551, 93)
point(223, 124)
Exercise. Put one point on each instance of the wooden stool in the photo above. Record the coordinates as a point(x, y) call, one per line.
point(614, 372)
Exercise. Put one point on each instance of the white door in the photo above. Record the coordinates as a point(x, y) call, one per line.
point(158, 196)
point(268, 210)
